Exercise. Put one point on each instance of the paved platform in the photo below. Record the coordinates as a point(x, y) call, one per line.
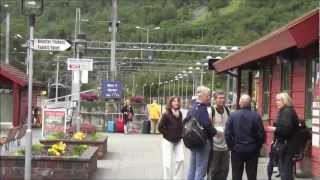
point(136, 157)
point(139, 157)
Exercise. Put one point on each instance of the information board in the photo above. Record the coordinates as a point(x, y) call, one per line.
point(111, 89)
point(54, 120)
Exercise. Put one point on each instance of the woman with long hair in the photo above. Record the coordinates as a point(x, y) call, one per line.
point(286, 125)
point(170, 127)
point(128, 113)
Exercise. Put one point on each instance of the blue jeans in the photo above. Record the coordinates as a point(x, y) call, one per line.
point(199, 162)
point(286, 167)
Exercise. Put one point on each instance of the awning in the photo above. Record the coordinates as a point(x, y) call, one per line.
point(15, 75)
point(300, 33)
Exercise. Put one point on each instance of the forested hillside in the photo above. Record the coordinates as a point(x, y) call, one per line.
point(216, 22)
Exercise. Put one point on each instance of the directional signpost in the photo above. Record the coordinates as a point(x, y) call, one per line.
point(51, 45)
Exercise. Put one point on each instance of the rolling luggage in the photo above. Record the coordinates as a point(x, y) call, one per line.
point(146, 126)
point(110, 126)
point(120, 125)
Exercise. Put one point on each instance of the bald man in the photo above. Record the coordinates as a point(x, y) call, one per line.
point(245, 136)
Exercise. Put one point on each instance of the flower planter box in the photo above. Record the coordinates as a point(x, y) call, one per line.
point(51, 167)
point(101, 143)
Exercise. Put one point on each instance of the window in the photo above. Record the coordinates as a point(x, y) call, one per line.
point(312, 92)
point(286, 69)
point(266, 74)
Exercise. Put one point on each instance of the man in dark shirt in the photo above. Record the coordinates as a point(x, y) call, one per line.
point(245, 136)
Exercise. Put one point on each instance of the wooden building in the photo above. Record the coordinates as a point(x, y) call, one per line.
point(14, 96)
point(287, 59)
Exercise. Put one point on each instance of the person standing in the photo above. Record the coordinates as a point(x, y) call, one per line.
point(245, 136)
point(200, 155)
point(170, 126)
point(154, 115)
point(127, 112)
point(219, 157)
point(286, 125)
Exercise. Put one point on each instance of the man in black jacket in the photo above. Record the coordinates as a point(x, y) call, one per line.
point(245, 136)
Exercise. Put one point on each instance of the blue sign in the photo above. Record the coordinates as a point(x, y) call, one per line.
point(112, 89)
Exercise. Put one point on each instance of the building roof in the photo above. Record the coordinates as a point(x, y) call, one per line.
point(15, 75)
point(300, 33)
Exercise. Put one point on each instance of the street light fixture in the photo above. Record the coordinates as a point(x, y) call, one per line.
point(148, 31)
point(31, 8)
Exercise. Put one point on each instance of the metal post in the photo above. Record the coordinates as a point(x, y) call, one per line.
point(28, 148)
point(150, 94)
point(227, 88)
point(113, 68)
point(164, 93)
point(7, 37)
point(159, 88)
point(187, 83)
point(147, 35)
point(169, 89)
point(174, 88)
point(201, 75)
point(182, 89)
point(193, 85)
point(77, 85)
point(57, 80)
point(132, 90)
point(143, 91)
point(213, 81)
point(178, 88)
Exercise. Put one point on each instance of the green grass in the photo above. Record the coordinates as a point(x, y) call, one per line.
point(233, 6)
point(200, 15)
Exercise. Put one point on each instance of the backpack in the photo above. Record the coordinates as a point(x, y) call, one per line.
point(193, 134)
point(214, 112)
point(300, 138)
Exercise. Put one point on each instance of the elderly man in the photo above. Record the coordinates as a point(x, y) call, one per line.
point(244, 136)
point(200, 155)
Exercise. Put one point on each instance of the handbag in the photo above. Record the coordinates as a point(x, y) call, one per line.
point(279, 148)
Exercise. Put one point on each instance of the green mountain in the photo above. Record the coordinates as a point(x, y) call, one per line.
point(212, 22)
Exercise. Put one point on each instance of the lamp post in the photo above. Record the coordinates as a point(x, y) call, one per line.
point(6, 6)
point(193, 82)
point(150, 92)
point(148, 31)
point(164, 92)
point(144, 85)
point(30, 8)
point(171, 91)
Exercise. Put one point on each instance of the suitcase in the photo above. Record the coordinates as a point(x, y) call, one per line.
point(110, 126)
point(146, 127)
point(120, 125)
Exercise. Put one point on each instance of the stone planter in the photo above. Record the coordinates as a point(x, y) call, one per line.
point(101, 143)
point(51, 167)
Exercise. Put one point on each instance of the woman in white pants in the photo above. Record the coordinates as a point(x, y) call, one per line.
point(170, 127)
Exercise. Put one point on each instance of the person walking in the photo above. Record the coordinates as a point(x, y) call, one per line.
point(200, 155)
point(127, 112)
point(219, 157)
point(245, 136)
point(286, 125)
point(170, 126)
point(154, 115)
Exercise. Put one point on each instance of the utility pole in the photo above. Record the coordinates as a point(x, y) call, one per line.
point(113, 68)
point(57, 80)
point(28, 149)
point(7, 34)
point(159, 79)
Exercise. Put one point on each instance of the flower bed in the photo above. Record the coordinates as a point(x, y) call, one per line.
point(99, 140)
point(47, 165)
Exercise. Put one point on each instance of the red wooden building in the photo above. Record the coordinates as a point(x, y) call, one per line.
point(14, 95)
point(287, 59)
